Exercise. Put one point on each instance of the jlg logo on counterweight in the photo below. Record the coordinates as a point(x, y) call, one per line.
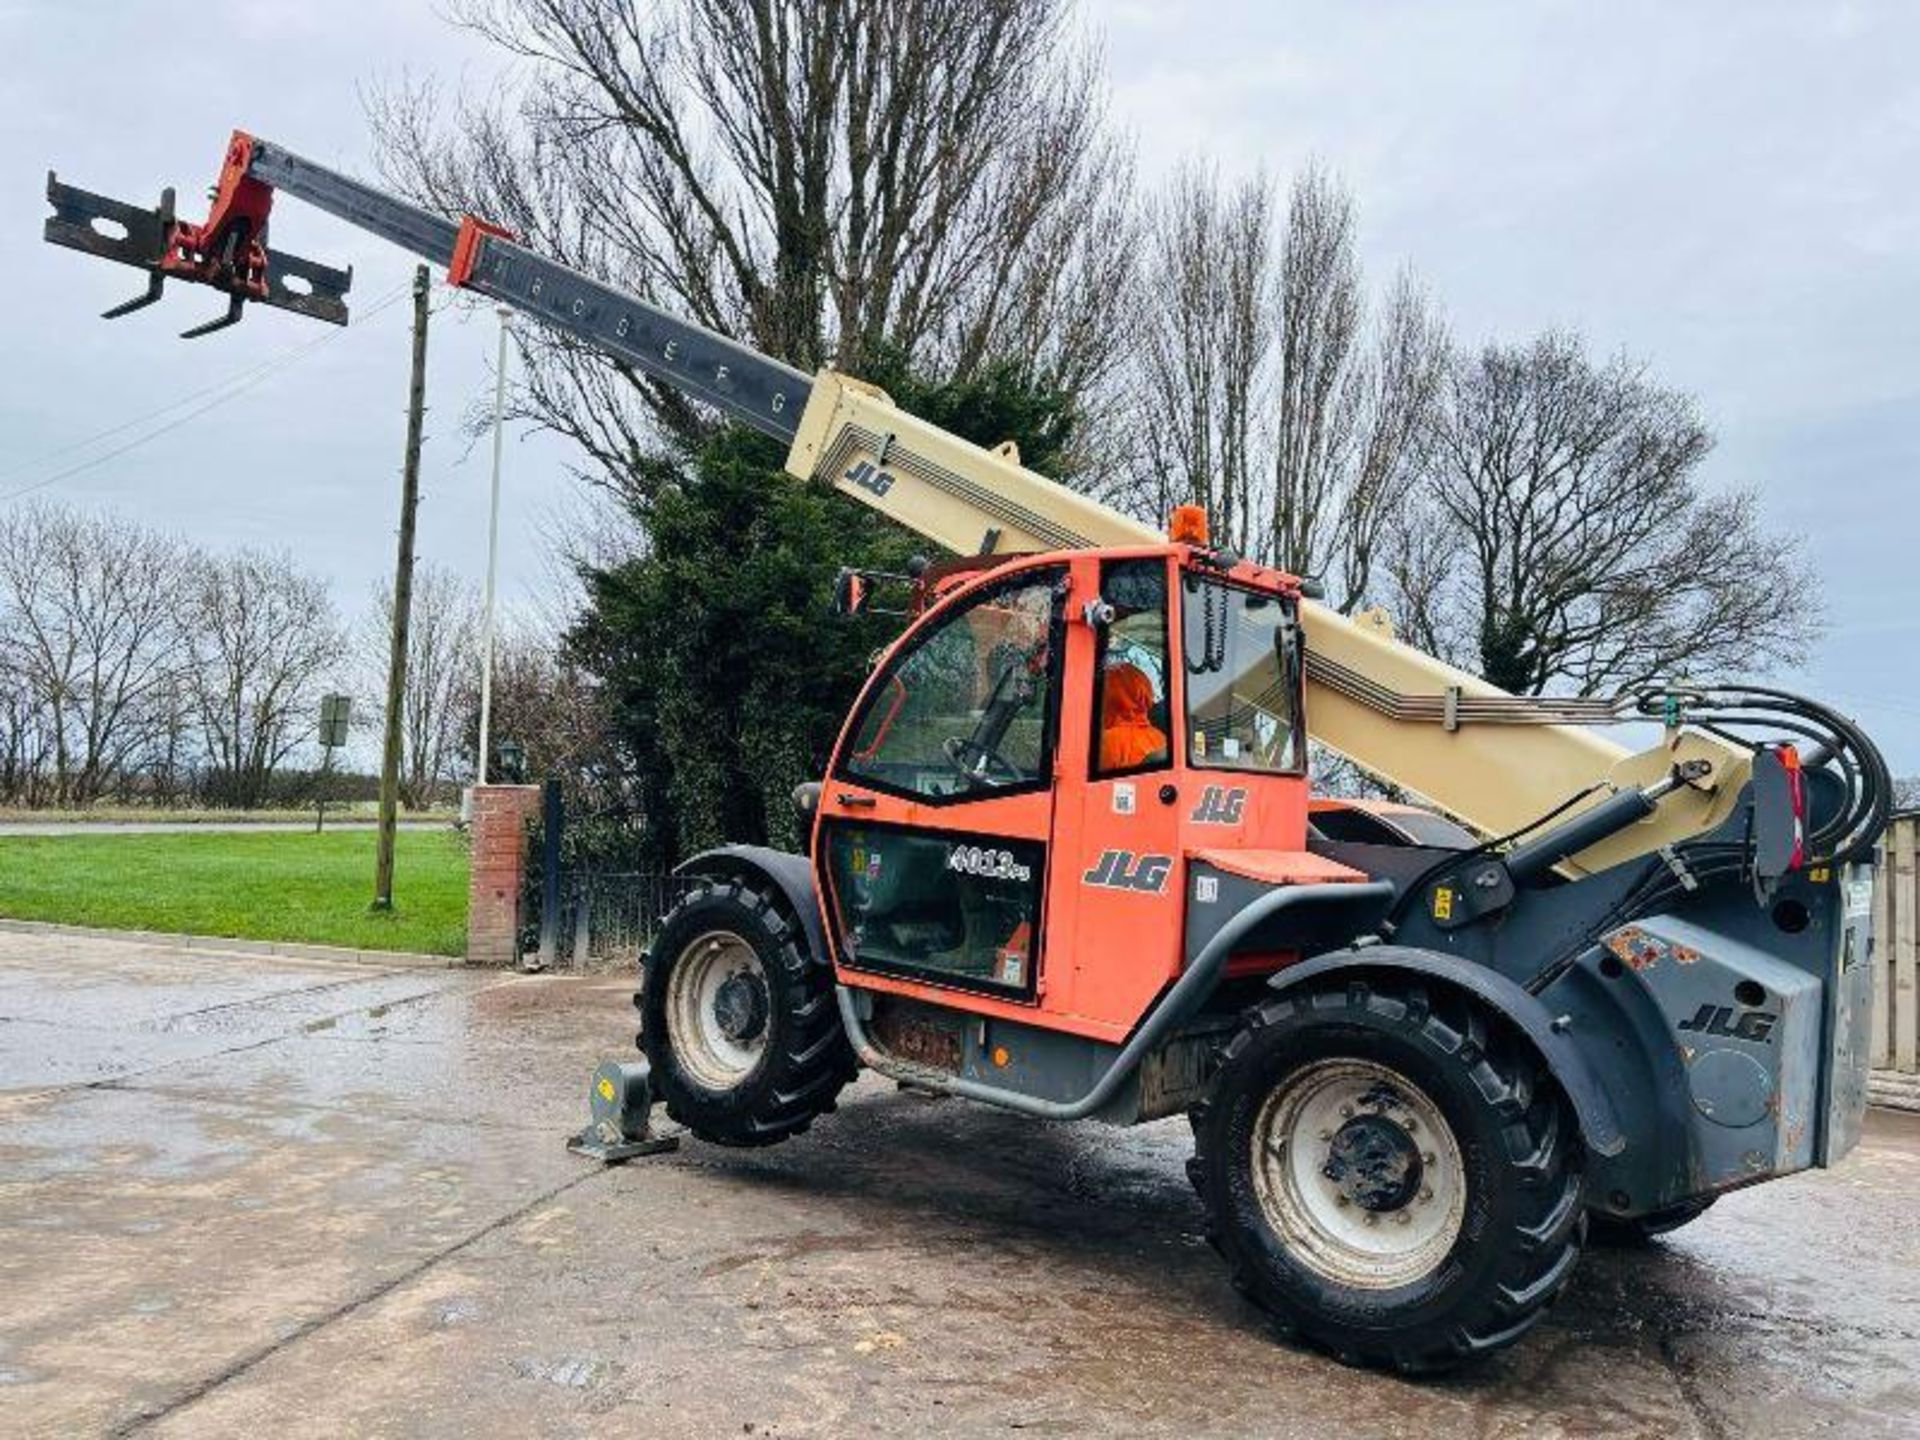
point(1120, 870)
point(1754, 1025)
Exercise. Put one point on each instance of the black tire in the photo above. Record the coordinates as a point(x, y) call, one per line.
point(801, 1057)
point(1511, 1172)
point(1631, 1231)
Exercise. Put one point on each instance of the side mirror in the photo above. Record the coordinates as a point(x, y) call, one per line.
point(1313, 587)
point(852, 594)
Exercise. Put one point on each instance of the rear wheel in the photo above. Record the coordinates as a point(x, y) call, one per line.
point(1389, 1175)
point(737, 1020)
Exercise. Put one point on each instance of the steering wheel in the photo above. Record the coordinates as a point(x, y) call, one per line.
point(962, 750)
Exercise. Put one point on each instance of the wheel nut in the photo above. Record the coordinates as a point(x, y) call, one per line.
point(1326, 1135)
point(1341, 1201)
point(1426, 1157)
point(1372, 1219)
point(1426, 1194)
point(1409, 1124)
point(1346, 1112)
point(1402, 1218)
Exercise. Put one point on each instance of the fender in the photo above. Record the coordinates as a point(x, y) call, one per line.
point(791, 875)
point(1599, 1126)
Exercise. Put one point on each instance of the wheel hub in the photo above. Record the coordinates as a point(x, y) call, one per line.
point(719, 1010)
point(1358, 1173)
point(1375, 1163)
point(740, 1007)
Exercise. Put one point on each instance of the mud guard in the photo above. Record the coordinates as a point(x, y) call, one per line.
point(791, 875)
point(1599, 1126)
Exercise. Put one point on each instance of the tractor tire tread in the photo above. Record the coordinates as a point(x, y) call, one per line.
point(810, 1059)
point(1539, 1162)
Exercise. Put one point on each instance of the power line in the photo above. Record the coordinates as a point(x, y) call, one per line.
point(228, 389)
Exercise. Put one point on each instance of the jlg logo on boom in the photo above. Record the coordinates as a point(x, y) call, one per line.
point(1219, 805)
point(1120, 870)
point(869, 477)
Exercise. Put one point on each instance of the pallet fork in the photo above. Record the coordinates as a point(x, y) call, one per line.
point(227, 251)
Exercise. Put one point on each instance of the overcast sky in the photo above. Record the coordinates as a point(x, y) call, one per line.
point(1730, 191)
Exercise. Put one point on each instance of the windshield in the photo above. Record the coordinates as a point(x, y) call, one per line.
point(1243, 677)
point(967, 707)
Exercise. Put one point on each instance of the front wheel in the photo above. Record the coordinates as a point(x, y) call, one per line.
point(738, 1020)
point(1389, 1175)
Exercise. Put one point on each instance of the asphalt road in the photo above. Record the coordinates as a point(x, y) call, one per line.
point(241, 1196)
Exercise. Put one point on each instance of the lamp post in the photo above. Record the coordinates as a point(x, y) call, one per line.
point(493, 543)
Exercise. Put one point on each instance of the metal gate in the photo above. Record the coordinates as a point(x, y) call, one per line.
point(607, 917)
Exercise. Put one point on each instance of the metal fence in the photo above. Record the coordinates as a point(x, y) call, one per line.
point(607, 917)
point(1895, 1054)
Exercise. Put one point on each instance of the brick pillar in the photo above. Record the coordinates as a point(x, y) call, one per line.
point(499, 863)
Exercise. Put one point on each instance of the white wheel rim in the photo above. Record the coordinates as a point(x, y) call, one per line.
point(702, 1043)
point(1308, 1124)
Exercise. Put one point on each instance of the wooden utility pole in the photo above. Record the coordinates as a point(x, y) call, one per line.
point(402, 600)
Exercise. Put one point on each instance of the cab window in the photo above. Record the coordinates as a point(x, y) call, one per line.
point(1242, 677)
point(1131, 731)
point(968, 711)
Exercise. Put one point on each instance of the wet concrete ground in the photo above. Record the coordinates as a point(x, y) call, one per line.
point(241, 1195)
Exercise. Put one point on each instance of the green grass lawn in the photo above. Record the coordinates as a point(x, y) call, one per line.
point(274, 886)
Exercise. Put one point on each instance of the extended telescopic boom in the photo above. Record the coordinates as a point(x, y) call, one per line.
point(1494, 760)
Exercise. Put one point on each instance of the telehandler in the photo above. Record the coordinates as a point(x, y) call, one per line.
point(1065, 861)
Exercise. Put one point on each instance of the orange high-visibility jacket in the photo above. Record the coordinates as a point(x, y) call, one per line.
point(1127, 736)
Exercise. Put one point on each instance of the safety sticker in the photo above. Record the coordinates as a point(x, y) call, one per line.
point(1123, 798)
point(1206, 889)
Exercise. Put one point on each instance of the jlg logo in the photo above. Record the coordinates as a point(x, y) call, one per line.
point(1219, 806)
point(1119, 870)
point(1755, 1025)
point(870, 477)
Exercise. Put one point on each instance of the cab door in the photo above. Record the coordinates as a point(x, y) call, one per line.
point(933, 847)
point(1120, 876)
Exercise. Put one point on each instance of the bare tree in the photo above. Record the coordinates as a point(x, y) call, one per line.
point(825, 179)
point(1269, 394)
point(443, 650)
point(1351, 405)
point(24, 748)
point(1398, 386)
point(1204, 350)
point(1568, 543)
point(553, 709)
point(89, 638)
point(1317, 410)
point(263, 635)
